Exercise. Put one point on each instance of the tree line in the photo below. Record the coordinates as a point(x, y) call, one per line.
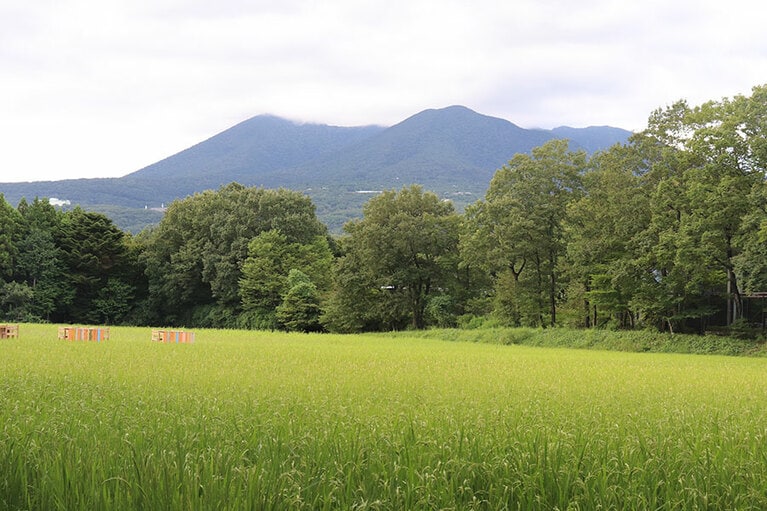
point(667, 231)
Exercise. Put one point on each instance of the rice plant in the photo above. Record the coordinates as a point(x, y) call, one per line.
point(247, 420)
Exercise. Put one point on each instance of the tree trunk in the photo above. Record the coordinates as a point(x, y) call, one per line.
point(729, 299)
point(539, 289)
point(734, 301)
point(553, 299)
point(587, 306)
point(553, 286)
point(553, 292)
point(418, 301)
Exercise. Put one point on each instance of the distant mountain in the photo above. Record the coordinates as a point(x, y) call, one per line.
point(452, 151)
point(593, 138)
point(259, 147)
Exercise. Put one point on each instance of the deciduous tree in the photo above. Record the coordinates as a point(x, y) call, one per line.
point(518, 229)
point(300, 307)
point(266, 273)
point(601, 230)
point(402, 250)
point(195, 256)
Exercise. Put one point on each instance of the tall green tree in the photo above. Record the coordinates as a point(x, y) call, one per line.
point(714, 159)
point(403, 253)
point(355, 303)
point(516, 233)
point(194, 257)
point(93, 252)
point(10, 231)
point(729, 139)
point(16, 300)
point(300, 307)
point(40, 264)
point(601, 230)
point(266, 273)
point(671, 282)
point(751, 262)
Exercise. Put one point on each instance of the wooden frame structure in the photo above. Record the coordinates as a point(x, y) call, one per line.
point(9, 331)
point(173, 336)
point(78, 333)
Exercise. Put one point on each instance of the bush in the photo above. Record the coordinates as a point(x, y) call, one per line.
point(439, 311)
point(471, 322)
point(742, 329)
point(258, 319)
point(622, 340)
point(300, 307)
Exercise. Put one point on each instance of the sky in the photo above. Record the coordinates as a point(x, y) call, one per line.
point(102, 88)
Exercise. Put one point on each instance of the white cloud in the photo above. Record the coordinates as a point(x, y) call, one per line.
point(105, 87)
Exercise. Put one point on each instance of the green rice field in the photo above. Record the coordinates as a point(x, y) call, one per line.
point(258, 421)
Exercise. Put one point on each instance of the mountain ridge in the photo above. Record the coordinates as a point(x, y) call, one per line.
point(453, 151)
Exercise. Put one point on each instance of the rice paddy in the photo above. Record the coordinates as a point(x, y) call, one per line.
point(254, 420)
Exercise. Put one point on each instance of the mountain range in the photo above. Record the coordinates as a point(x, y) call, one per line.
point(452, 151)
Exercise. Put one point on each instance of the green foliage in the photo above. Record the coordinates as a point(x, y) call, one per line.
point(266, 288)
point(706, 190)
point(212, 315)
point(73, 266)
point(601, 227)
point(16, 302)
point(113, 301)
point(666, 233)
point(518, 230)
point(33, 278)
point(10, 221)
point(403, 254)
point(93, 250)
point(356, 305)
point(265, 270)
point(485, 330)
point(196, 254)
point(300, 307)
point(515, 303)
point(258, 319)
point(440, 311)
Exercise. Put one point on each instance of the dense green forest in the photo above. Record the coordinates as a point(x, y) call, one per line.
point(667, 231)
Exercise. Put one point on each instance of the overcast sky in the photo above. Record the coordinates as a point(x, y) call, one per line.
point(102, 88)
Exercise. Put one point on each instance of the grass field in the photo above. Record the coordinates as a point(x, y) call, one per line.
point(246, 420)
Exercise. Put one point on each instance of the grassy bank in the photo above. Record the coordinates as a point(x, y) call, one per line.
point(630, 341)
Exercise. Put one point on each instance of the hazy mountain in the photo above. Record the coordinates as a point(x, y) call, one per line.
point(437, 148)
point(261, 146)
point(593, 138)
point(453, 151)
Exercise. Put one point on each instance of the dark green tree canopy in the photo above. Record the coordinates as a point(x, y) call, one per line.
point(300, 307)
point(272, 258)
point(518, 229)
point(196, 254)
point(93, 251)
point(403, 250)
